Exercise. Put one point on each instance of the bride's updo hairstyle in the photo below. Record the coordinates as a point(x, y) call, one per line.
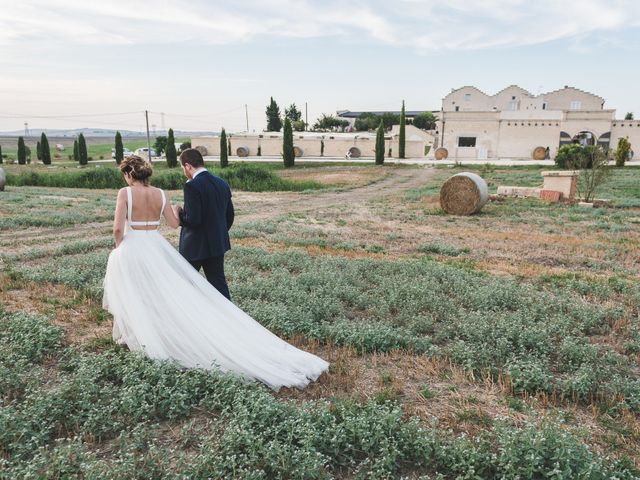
point(137, 167)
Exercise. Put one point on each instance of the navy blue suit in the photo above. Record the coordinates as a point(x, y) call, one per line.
point(206, 219)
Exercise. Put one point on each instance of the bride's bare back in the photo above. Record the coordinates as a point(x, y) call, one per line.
point(145, 206)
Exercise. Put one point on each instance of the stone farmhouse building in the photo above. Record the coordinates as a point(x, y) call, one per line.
point(516, 124)
point(471, 125)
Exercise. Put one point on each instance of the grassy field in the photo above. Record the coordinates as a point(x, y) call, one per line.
point(502, 345)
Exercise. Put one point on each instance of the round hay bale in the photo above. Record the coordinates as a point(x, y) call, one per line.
point(354, 152)
point(538, 153)
point(242, 151)
point(203, 150)
point(297, 151)
point(3, 180)
point(464, 194)
point(441, 153)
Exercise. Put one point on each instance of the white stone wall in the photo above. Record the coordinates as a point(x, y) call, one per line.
point(629, 129)
point(561, 99)
point(335, 145)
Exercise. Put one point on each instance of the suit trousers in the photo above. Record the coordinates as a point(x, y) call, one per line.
point(214, 271)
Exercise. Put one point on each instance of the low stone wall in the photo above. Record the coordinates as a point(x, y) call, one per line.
point(334, 145)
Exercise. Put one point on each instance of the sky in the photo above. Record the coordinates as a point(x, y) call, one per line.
point(88, 63)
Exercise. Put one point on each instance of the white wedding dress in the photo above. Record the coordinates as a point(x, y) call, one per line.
point(162, 306)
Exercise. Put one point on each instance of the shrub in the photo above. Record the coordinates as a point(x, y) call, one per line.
point(170, 150)
point(45, 151)
point(568, 156)
point(594, 170)
point(83, 157)
point(119, 148)
point(367, 121)
point(380, 144)
point(402, 136)
point(288, 155)
point(242, 176)
point(160, 145)
point(274, 122)
point(622, 151)
point(425, 121)
point(224, 154)
point(22, 151)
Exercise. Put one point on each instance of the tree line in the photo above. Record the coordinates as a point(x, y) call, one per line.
point(366, 121)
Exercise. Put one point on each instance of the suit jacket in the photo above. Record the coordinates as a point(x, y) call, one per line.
point(207, 217)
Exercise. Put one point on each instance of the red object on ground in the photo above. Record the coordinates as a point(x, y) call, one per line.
point(550, 195)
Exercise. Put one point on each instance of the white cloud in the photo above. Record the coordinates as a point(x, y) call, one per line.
point(426, 25)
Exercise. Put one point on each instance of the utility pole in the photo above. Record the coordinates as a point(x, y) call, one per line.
point(246, 113)
point(146, 116)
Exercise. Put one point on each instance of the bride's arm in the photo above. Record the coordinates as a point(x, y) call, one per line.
point(170, 216)
point(120, 216)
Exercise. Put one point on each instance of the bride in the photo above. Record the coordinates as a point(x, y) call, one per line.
point(162, 306)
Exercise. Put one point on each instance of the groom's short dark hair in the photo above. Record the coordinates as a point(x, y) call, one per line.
point(193, 157)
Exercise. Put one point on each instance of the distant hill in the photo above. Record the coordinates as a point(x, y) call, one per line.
point(98, 132)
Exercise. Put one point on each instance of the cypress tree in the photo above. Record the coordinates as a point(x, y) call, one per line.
point(45, 151)
point(287, 144)
point(380, 144)
point(119, 148)
point(170, 150)
point(83, 156)
point(274, 122)
point(229, 151)
point(401, 139)
point(322, 148)
point(1, 160)
point(39, 150)
point(224, 154)
point(76, 152)
point(22, 151)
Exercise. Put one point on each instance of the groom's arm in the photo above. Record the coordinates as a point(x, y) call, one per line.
point(191, 215)
point(230, 213)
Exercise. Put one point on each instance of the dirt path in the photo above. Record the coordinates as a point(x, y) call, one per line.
point(259, 206)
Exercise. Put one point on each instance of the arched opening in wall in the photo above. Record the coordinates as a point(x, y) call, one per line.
point(604, 141)
point(584, 138)
point(565, 138)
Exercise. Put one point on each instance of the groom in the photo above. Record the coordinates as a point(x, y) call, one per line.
point(206, 219)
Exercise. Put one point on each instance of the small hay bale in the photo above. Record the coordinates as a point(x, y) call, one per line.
point(354, 152)
point(441, 153)
point(464, 194)
point(242, 151)
point(539, 153)
point(203, 150)
point(297, 151)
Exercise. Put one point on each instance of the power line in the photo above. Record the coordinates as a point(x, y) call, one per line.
point(74, 115)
